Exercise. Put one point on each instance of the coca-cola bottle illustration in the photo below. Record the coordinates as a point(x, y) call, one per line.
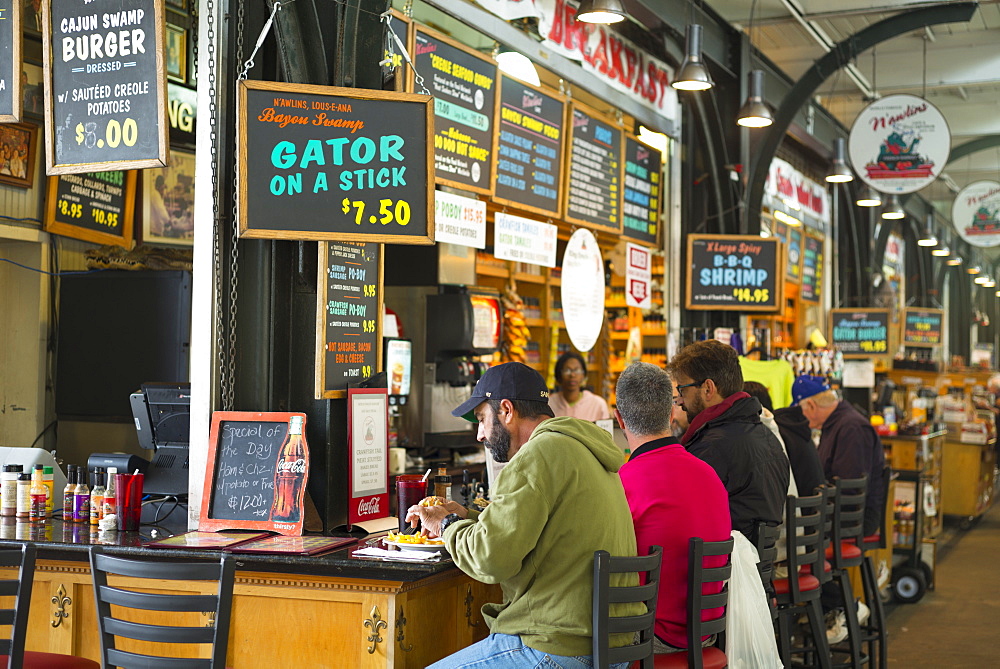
point(290, 475)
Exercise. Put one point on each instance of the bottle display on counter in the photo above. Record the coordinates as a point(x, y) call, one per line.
point(290, 475)
point(68, 492)
point(81, 497)
point(97, 497)
point(8, 495)
point(442, 484)
point(24, 495)
point(37, 496)
point(48, 478)
point(109, 494)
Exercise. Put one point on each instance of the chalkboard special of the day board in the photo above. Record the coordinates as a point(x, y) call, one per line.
point(10, 61)
point(239, 490)
point(735, 272)
point(594, 176)
point(105, 85)
point(95, 207)
point(922, 327)
point(464, 86)
point(348, 316)
point(643, 194)
point(330, 163)
point(812, 267)
point(529, 147)
point(860, 333)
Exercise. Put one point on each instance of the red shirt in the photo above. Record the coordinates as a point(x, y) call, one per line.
point(674, 496)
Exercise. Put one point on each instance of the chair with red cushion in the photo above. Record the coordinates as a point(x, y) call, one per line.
point(12, 648)
point(874, 631)
point(800, 592)
point(845, 552)
point(702, 621)
point(605, 595)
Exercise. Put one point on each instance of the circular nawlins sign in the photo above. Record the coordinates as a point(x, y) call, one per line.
point(583, 289)
point(899, 144)
point(976, 213)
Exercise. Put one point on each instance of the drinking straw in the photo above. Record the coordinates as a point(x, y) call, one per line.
point(426, 474)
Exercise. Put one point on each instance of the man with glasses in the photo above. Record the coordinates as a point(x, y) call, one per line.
point(725, 431)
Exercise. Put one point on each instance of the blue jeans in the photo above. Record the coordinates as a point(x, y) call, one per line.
point(503, 651)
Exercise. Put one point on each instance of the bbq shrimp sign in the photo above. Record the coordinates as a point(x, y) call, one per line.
point(976, 213)
point(899, 144)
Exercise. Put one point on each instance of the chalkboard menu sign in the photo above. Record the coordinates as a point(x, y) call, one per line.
point(529, 148)
point(860, 333)
point(106, 87)
point(250, 456)
point(922, 327)
point(794, 247)
point(328, 163)
point(349, 316)
point(95, 207)
point(643, 191)
point(735, 272)
point(812, 268)
point(10, 61)
point(593, 193)
point(464, 86)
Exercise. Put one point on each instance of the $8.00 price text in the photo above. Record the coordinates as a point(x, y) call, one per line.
point(116, 133)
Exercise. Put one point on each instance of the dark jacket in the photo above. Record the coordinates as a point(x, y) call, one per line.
point(802, 453)
point(850, 448)
point(746, 456)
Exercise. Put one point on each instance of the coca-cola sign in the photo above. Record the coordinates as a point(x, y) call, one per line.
point(296, 467)
point(368, 436)
point(370, 506)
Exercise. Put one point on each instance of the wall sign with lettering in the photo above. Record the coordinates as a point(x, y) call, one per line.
point(794, 247)
point(258, 468)
point(349, 322)
point(922, 327)
point(529, 148)
point(812, 268)
point(735, 272)
point(464, 86)
point(594, 177)
point(368, 436)
point(10, 61)
point(860, 333)
point(182, 113)
point(95, 207)
point(643, 195)
point(329, 163)
point(106, 86)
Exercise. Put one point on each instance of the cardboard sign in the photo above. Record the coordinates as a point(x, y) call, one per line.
point(860, 333)
point(922, 327)
point(10, 61)
point(243, 476)
point(643, 195)
point(106, 85)
point(529, 148)
point(349, 316)
point(593, 189)
point(735, 272)
point(638, 276)
point(812, 268)
point(459, 220)
point(368, 436)
point(524, 240)
point(329, 163)
point(95, 207)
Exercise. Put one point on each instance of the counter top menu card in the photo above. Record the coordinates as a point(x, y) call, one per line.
point(529, 148)
point(643, 191)
point(593, 194)
point(205, 540)
point(282, 545)
point(10, 61)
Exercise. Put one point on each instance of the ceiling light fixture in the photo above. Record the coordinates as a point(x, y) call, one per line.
point(982, 279)
point(601, 11)
point(974, 268)
point(955, 261)
point(869, 197)
point(892, 209)
point(786, 219)
point(517, 65)
point(941, 252)
point(989, 283)
point(755, 113)
point(839, 171)
point(693, 75)
point(928, 237)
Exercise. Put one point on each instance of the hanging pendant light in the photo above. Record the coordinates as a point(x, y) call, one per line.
point(893, 210)
point(755, 113)
point(869, 197)
point(839, 171)
point(517, 65)
point(955, 261)
point(927, 237)
point(601, 11)
point(693, 75)
point(974, 268)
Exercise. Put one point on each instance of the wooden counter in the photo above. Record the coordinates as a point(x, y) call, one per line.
point(331, 611)
point(967, 478)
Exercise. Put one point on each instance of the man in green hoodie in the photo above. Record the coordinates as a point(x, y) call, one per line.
point(557, 501)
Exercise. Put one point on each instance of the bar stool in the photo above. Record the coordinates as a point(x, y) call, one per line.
point(874, 631)
point(12, 648)
point(604, 625)
point(767, 553)
point(845, 552)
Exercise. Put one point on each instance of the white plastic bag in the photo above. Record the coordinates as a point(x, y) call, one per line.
point(750, 640)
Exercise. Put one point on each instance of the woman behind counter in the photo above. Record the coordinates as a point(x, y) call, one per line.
point(571, 399)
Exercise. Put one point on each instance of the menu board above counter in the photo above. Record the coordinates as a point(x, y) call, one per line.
point(735, 272)
point(464, 85)
point(594, 176)
point(95, 207)
point(349, 322)
point(10, 61)
point(812, 268)
point(860, 333)
point(922, 327)
point(529, 148)
point(643, 191)
point(105, 85)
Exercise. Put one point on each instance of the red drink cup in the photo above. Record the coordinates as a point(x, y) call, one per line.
point(128, 500)
point(410, 489)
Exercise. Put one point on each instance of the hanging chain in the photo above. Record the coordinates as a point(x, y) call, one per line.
point(260, 39)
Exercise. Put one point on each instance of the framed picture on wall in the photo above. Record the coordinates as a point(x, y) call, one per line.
point(168, 202)
point(176, 53)
point(18, 146)
point(31, 89)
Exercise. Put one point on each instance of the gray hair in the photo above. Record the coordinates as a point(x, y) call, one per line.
point(644, 397)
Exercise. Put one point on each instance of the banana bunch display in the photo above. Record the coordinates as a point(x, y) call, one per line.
point(515, 330)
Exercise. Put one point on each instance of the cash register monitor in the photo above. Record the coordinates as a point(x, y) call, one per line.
point(162, 413)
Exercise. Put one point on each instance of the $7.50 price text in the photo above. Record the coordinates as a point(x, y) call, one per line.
point(388, 211)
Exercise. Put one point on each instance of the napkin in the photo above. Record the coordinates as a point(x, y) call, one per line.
point(404, 556)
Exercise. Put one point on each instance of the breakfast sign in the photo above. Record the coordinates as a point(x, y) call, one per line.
point(735, 272)
point(10, 61)
point(105, 85)
point(329, 163)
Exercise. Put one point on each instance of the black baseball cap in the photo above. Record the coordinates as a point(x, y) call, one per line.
point(509, 381)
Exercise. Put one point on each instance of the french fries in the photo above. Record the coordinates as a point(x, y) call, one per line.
point(432, 501)
point(413, 539)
